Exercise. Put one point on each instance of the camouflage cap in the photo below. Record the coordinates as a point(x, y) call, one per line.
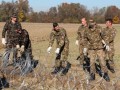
point(92, 23)
point(14, 15)
point(55, 24)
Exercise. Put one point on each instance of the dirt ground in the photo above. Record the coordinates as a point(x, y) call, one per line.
point(41, 78)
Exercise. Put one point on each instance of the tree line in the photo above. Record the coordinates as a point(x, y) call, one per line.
point(65, 13)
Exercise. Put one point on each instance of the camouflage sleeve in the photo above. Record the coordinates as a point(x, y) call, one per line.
point(103, 35)
point(18, 39)
point(108, 37)
point(78, 32)
point(102, 32)
point(51, 40)
point(29, 48)
point(112, 36)
point(86, 42)
point(62, 38)
point(26, 38)
point(5, 28)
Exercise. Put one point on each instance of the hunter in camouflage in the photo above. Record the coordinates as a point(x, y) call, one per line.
point(80, 39)
point(25, 60)
point(24, 42)
point(9, 38)
point(59, 34)
point(109, 33)
point(95, 47)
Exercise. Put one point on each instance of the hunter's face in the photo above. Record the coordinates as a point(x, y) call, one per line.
point(56, 28)
point(83, 21)
point(14, 18)
point(108, 23)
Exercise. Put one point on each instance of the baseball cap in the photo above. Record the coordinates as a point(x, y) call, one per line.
point(55, 24)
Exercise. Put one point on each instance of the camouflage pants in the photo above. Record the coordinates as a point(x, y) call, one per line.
point(81, 47)
point(6, 56)
point(97, 54)
point(109, 56)
point(62, 57)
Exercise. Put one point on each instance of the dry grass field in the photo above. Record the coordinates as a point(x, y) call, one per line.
point(76, 79)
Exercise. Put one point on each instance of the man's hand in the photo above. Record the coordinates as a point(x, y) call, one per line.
point(17, 46)
point(3, 41)
point(48, 50)
point(104, 43)
point(57, 50)
point(22, 48)
point(107, 48)
point(77, 42)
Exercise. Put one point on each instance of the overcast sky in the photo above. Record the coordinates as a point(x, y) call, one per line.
point(44, 5)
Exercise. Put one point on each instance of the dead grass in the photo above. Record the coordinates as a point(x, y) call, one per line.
point(41, 79)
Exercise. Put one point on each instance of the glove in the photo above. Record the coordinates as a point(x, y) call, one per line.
point(77, 42)
point(104, 43)
point(57, 50)
point(85, 51)
point(22, 48)
point(48, 50)
point(18, 46)
point(3, 41)
point(108, 48)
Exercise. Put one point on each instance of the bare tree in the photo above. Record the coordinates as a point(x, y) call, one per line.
point(112, 11)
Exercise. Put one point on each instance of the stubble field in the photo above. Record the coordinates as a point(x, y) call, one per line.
point(76, 79)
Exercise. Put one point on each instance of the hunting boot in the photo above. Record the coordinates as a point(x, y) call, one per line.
point(98, 68)
point(106, 77)
point(3, 83)
point(34, 63)
point(110, 67)
point(86, 64)
point(65, 69)
point(92, 77)
point(100, 73)
point(112, 70)
point(56, 70)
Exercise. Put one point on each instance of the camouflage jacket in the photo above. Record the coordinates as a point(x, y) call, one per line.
point(93, 39)
point(23, 39)
point(80, 34)
point(10, 32)
point(109, 35)
point(60, 36)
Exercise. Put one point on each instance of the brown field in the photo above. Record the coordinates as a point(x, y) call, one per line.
point(76, 79)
